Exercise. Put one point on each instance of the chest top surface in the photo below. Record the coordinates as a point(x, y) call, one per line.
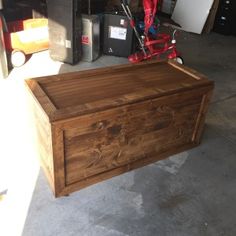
point(68, 95)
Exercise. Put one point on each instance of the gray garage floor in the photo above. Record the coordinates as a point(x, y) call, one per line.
point(192, 193)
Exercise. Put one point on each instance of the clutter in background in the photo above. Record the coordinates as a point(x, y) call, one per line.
point(203, 16)
point(151, 44)
point(191, 14)
point(136, 6)
point(118, 36)
point(211, 17)
point(25, 37)
point(167, 6)
point(65, 30)
point(226, 18)
point(90, 35)
point(3, 57)
point(81, 30)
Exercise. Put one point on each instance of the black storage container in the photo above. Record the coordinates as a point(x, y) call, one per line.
point(225, 21)
point(118, 38)
point(65, 29)
point(39, 8)
point(96, 6)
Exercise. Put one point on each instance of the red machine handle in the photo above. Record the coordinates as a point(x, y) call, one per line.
point(150, 9)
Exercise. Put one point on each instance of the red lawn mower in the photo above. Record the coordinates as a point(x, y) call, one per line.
point(151, 45)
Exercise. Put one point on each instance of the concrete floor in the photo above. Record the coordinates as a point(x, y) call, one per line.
point(192, 193)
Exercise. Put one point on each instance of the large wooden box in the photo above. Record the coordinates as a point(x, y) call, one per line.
point(96, 124)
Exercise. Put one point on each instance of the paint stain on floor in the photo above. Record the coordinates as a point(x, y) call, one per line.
point(173, 201)
point(173, 163)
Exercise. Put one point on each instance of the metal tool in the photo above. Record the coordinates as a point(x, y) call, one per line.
point(128, 13)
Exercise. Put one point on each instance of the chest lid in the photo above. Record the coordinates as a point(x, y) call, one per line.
point(68, 95)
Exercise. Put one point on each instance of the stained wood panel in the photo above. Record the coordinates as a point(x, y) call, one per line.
point(118, 137)
point(44, 140)
point(79, 93)
point(96, 124)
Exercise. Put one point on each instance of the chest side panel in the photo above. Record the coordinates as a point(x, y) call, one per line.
point(44, 141)
point(99, 142)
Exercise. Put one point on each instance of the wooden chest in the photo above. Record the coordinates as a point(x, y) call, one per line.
point(96, 124)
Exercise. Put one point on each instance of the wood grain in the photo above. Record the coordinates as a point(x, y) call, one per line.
point(120, 136)
point(96, 124)
point(84, 92)
point(44, 139)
